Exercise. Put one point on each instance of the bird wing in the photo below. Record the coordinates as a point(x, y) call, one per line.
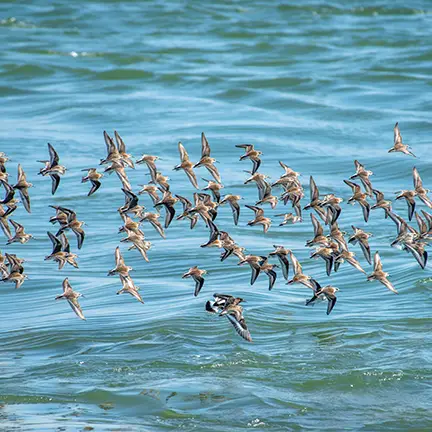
point(205, 148)
point(396, 134)
point(54, 157)
point(57, 246)
point(240, 327)
point(377, 262)
point(76, 307)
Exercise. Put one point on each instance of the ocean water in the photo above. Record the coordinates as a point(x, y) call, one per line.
point(313, 84)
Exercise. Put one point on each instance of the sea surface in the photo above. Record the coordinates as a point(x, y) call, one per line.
point(313, 84)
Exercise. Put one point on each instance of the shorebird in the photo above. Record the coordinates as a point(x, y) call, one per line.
point(398, 146)
point(420, 191)
point(9, 200)
point(381, 202)
point(168, 201)
point(61, 251)
point(151, 190)
point(152, 218)
point(360, 197)
point(3, 160)
point(332, 202)
point(299, 276)
point(129, 287)
point(94, 177)
point(15, 277)
point(23, 185)
point(131, 205)
point(228, 306)
point(215, 188)
point(197, 275)
point(379, 275)
point(138, 242)
point(118, 167)
point(409, 196)
point(73, 224)
point(315, 202)
point(130, 224)
point(72, 297)
point(328, 292)
point(233, 200)
point(289, 217)
point(162, 182)
point(417, 249)
point(4, 224)
point(254, 262)
point(186, 165)
point(252, 154)
point(327, 254)
point(350, 258)
point(113, 154)
point(282, 255)
point(260, 219)
point(206, 160)
point(187, 206)
point(52, 168)
point(260, 181)
point(319, 238)
point(268, 197)
point(214, 240)
point(150, 162)
point(363, 174)
point(120, 268)
point(20, 235)
point(124, 156)
point(362, 238)
point(268, 269)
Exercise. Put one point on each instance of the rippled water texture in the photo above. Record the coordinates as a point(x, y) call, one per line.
point(314, 85)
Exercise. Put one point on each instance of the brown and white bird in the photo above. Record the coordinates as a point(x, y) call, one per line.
point(197, 275)
point(226, 305)
point(22, 185)
point(20, 235)
point(94, 178)
point(282, 255)
point(61, 251)
point(168, 201)
point(129, 287)
point(363, 174)
point(362, 238)
point(381, 202)
point(74, 225)
point(9, 200)
point(150, 160)
point(252, 154)
point(328, 292)
point(72, 297)
point(215, 188)
point(186, 165)
point(409, 196)
point(299, 276)
point(120, 267)
point(360, 197)
point(206, 160)
point(398, 145)
point(260, 219)
point(420, 191)
point(125, 157)
point(53, 168)
point(233, 200)
point(379, 275)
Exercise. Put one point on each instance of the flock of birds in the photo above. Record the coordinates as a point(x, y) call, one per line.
point(325, 211)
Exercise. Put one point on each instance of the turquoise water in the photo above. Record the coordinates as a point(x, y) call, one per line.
point(313, 85)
